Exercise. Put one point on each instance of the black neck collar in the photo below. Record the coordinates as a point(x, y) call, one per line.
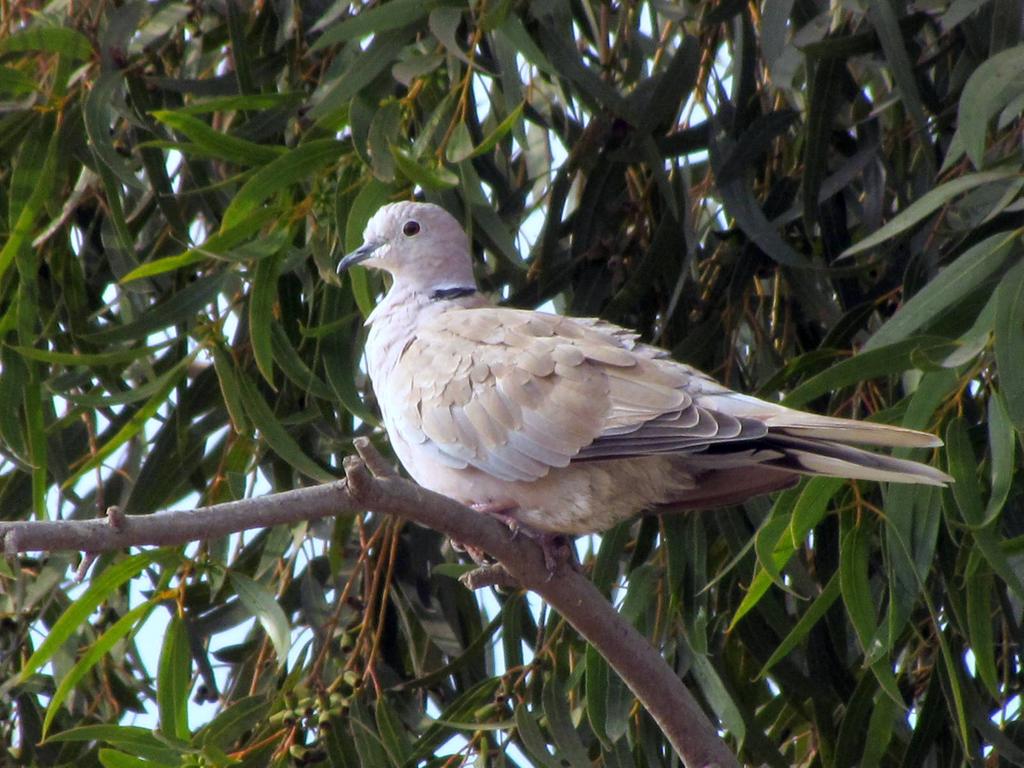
point(443, 294)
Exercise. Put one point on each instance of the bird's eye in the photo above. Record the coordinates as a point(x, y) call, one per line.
point(411, 228)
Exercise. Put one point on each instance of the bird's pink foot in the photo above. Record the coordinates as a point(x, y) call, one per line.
point(556, 547)
point(503, 511)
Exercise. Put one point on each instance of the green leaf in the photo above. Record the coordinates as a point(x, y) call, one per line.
point(978, 586)
point(22, 227)
point(854, 585)
point(99, 116)
point(131, 738)
point(182, 306)
point(294, 367)
point(515, 32)
point(258, 600)
point(367, 737)
point(262, 299)
point(597, 676)
point(718, 696)
point(799, 510)
point(101, 587)
point(814, 613)
point(174, 678)
point(119, 630)
point(881, 361)
point(248, 101)
point(15, 82)
point(137, 422)
point(1001, 448)
point(533, 740)
point(217, 245)
point(882, 14)
point(741, 204)
point(87, 359)
point(271, 429)
point(927, 204)
point(233, 722)
point(372, 21)
point(218, 144)
point(570, 749)
point(436, 178)
point(392, 733)
point(491, 140)
point(112, 758)
point(363, 68)
point(966, 490)
point(62, 40)
point(950, 286)
point(290, 168)
point(991, 86)
point(1009, 343)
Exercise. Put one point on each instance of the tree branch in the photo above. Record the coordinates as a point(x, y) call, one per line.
point(637, 662)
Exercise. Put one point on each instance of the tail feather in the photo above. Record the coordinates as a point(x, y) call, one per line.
point(812, 426)
point(813, 456)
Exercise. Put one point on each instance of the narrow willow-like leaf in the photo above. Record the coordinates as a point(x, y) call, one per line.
point(63, 40)
point(142, 742)
point(112, 758)
point(221, 145)
point(926, 205)
point(799, 510)
point(279, 174)
point(99, 116)
point(501, 130)
point(533, 741)
point(883, 17)
point(258, 600)
point(118, 631)
point(597, 689)
point(853, 583)
point(392, 732)
point(393, 15)
point(367, 737)
point(232, 723)
point(814, 613)
point(92, 360)
point(995, 82)
point(174, 678)
point(959, 279)
point(881, 361)
point(1009, 343)
point(136, 422)
point(966, 490)
point(100, 589)
point(277, 437)
point(978, 587)
point(182, 306)
point(717, 694)
point(262, 298)
point(1002, 448)
point(22, 227)
point(428, 177)
point(556, 709)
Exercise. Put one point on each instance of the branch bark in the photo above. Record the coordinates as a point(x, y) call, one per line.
point(641, 667)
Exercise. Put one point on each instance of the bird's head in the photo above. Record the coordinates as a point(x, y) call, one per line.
point(420, 244)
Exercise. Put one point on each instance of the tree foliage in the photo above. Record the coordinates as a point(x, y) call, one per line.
point(807, 199)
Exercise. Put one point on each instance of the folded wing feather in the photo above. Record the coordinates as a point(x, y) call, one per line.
point(516, 393)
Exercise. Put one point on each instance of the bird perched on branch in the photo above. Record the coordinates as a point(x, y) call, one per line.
point(567, 425)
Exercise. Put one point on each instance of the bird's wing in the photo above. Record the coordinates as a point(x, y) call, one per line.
point(515, 393)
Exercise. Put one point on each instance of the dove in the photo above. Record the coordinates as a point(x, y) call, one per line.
point(567, 426)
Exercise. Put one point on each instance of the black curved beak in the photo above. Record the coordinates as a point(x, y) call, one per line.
point(359, 255)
